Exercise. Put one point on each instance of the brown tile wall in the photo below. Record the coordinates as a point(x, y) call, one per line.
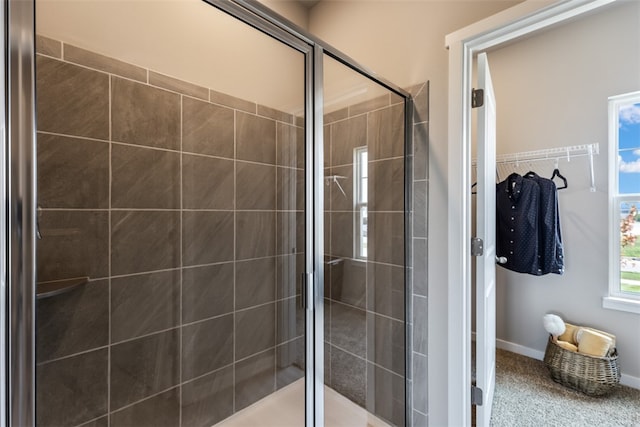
point(369, 309)
point(138, 174)
point(184, 207)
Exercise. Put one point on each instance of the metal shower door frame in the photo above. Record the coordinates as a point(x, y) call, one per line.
point(19, 170)
point(3, 226)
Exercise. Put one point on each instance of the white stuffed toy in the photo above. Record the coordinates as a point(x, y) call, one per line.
point(556, 327)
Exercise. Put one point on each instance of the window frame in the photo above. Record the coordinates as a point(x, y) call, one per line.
point(616, 298)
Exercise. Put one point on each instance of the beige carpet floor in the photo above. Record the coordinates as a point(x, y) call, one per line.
point(527, 396)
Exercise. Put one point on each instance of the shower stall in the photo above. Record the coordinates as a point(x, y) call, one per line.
point(210, 215)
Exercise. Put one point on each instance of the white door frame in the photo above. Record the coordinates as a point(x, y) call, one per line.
point(523, 19)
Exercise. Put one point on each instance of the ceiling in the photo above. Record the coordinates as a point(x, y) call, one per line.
point(308, 3)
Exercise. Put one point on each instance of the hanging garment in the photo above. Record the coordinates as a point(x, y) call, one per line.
point(550, 251)
point(517, 201)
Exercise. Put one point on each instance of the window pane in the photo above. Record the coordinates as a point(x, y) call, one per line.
point(630, 247)
point(363, 231)
point(363, 190)
point(363, 162)
point(629, 149)
point(629, 126)
point(629, 171)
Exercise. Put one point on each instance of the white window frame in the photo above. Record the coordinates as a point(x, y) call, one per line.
point(616, 298)
point(358, 204)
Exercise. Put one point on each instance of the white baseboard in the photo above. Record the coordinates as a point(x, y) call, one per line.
point(519, 349)
point(627, 380)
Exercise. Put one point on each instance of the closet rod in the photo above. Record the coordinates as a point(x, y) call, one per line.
point(556, 154)
point(548, 154)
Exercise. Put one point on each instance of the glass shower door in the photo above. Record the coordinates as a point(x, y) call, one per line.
point(364, 290)
point(171, 200)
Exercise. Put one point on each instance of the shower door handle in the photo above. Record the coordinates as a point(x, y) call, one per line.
point(305, 280)
point(303, 291)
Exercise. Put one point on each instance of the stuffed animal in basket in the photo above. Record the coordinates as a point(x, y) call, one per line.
point(576, 338)
point(557, 328)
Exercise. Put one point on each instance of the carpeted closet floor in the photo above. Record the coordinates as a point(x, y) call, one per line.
point(526, 396)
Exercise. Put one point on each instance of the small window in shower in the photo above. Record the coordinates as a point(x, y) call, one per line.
point(360, 191)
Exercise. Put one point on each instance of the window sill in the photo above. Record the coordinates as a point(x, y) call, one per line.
point(621, 304)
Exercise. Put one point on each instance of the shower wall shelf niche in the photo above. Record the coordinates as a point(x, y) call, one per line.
point(57, 287)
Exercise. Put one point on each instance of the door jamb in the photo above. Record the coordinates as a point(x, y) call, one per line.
point(464, 45)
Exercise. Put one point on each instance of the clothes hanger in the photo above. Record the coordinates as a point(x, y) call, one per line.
point(476, 183)
point(556, 173)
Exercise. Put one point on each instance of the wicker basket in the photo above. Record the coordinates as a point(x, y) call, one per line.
point(595, 376)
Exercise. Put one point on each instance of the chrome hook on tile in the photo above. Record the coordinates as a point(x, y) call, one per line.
point(335, 179)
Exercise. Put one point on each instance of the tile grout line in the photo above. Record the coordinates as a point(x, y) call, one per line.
point(290, 120)
point(252, 355)
point(178, 210)
point(164, 270)
point(84, 138)
point(170, 150)
point(146, 335)
point(366, 310)
point(144, 399)
point(69, 356)
point(364, 359)
point(207, 319)
point(215, 371)
point(149, 147)
point(84, 423)
point(360, 114)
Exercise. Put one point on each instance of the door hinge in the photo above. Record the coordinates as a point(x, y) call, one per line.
point(477, 246)
point(477, 98)
point(476, 396)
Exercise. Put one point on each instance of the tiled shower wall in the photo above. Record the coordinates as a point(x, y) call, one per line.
point(419, 291)
point(184, 207)
point(364, 305)
point(365, 299)
point(150, 339)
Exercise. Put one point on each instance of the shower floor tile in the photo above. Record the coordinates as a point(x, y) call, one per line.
point(285, 408)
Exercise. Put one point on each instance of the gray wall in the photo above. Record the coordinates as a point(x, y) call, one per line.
point(552, 91)
point(183, 206)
